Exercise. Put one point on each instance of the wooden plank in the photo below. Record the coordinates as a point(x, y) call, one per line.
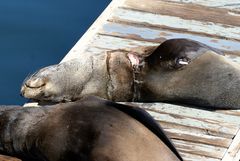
point(196, 123)
point(83, 43)
point(169, 125)
point(176, 23)
point(228, 4)
point(198, 138)
point(187, 11)
point(199, 149)
point(96, 50)
point(234, 148)
point(8, 158)
point(230, 112)
point(192, 157)
point(159, 35)
point(184, 111)
point(237, 157)
point(113, 43)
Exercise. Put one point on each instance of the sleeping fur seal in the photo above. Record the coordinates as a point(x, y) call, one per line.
point(178, 71)
point(92, 129)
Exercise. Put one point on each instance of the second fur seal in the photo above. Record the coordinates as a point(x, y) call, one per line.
point(179, 70)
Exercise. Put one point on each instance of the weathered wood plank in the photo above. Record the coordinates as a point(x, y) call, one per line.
point(233, 149)
point(230, 112)
point(112, 43)
point(8, 158)
point(192, 157)
point(168, 125)
point(159, 35)
point(176, 23)
point(228, 4)
point(199, 149)
point(196, 123)
point(208, 116)
point(237, 157)
point(199, 138)
point(187, 11)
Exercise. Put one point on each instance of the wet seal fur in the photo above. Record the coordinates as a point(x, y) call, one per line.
point(87, 130)
point(178, 71)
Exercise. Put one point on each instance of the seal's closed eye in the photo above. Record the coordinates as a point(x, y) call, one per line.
point(176, 53)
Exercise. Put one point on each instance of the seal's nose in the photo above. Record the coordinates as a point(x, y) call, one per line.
point(35, 82)
point(22, 93)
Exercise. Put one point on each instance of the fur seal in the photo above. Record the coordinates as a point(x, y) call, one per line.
point(87, 130)
point(178, 71)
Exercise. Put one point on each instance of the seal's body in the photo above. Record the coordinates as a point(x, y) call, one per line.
point(89, 130)
point(179, 70)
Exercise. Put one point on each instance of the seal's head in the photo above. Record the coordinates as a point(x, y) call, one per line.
point(189, 72)
point(42, 85)
point(107, 75)
point(58, 83)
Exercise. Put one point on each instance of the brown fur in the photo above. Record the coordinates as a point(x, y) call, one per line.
point(88, 130)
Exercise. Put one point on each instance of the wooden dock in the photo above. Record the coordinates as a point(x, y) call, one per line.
point(199, 135)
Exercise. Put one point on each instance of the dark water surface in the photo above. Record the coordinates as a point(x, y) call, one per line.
point(34, 34)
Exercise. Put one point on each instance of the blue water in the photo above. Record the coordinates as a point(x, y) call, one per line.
point(34, 34)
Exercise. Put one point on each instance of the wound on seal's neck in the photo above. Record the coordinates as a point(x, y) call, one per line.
point(138, 65)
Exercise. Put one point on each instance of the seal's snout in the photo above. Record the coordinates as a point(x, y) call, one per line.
point(32, 87)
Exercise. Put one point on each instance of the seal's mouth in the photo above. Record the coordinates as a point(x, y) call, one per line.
point(35, 83)
point(32, 88)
